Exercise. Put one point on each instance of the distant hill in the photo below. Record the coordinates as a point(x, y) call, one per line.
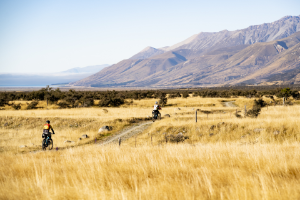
point(64, 77)
point(246, 56)
point(88, 69)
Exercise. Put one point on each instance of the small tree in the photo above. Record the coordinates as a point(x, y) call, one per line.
point(163, 99)
point(255, 111)
point(285, 92)
point(185, 94)
point(3, 100)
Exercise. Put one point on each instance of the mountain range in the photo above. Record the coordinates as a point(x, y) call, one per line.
point(261, 54)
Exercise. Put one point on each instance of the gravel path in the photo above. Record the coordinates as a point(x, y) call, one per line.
point(125, 134)
point(229, 104)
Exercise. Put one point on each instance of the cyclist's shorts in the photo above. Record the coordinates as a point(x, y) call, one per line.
point(45, 131)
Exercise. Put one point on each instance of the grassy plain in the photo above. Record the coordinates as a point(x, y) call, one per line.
point(239, 158)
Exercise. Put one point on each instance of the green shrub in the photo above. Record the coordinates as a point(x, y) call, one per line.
point(63, 104)
point(163, 99)
point(111, 102)
point(255, 111)
point(185, 94)
point(32, 105)
point(16, 106)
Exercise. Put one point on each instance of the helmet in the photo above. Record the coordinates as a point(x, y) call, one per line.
point(156, 102)
point(48, 121)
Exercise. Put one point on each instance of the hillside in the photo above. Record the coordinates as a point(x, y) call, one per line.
point(248, 55)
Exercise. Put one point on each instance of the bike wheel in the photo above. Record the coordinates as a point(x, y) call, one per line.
point(159, 116)
point(153, 117)
point(50, 144)
point(43, 145)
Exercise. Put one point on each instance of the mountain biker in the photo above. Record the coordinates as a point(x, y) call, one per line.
point(46, 131)
point(156, 109)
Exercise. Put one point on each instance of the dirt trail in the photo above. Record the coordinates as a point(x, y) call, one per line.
point(229, 104)
point(125, 134)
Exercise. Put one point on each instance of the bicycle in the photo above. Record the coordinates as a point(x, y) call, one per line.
point(156, 116)
point(47, 142)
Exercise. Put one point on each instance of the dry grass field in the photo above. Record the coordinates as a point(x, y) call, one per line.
point(222, 157)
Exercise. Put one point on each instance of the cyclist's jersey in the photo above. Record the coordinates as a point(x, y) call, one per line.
point(156, 107)
point(47, 128)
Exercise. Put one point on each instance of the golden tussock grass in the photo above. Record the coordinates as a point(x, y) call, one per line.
point(212, 171)
point(274, 125)
point(239, 158)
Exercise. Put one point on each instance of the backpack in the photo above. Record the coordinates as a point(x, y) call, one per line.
point(46, 128)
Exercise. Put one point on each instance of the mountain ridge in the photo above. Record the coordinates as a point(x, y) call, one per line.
point(203, 59)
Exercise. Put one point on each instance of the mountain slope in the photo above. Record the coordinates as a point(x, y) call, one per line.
point(128, 71)
point(228, 57)
point(253, 64)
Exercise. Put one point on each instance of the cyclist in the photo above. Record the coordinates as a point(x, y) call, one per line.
point(156, 109)
point(46, 131)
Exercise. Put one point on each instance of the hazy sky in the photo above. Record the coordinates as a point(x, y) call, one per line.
point(50, 36)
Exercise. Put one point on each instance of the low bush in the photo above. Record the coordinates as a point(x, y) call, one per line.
point(255, 111)
point(63, 104)
point(16, 106)
point(32, 105)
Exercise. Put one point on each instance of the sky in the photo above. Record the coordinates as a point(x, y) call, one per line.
point(38, 36)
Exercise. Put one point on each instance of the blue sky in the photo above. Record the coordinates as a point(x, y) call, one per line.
point(39, 36)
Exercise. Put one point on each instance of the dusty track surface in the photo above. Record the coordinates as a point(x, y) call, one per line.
point(229, 104)
point(125, 134)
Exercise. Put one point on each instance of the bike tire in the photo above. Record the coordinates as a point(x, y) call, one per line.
point(50, 144)
point(43, 146)
point(159, 116)
point(153, 118)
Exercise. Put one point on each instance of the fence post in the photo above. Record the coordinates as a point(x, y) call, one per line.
point(283, 100)
point(196, 115)
point(120, 140)
point(245, 110)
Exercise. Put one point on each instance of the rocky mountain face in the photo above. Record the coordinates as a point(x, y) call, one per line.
point(263, 53)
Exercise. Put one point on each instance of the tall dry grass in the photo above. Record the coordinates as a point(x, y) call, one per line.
point(274, 125)
point(231, 161)
point(212, 171)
